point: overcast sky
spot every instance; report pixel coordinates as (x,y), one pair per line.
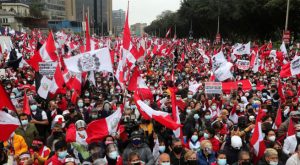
(145,11)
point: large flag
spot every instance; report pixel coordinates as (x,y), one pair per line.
(57,81)
(5,100)
(148,113)
(290,69)
(8,125)
(175,112)
(48,50)
(257,139)
(283,49)
(95,60)
(137,83)
(223,72)
(241,49)
(278,119)
(99,129)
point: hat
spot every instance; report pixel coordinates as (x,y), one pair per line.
(236,142)
(60,144)
(80,124)
(135,134)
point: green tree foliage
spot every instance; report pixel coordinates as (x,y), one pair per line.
(239,19)
(36,8)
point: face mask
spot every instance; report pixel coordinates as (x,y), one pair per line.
(33,107)
(80,104)
(196,116)
(207,117)
(190,96)
(272,138)
(188,111)
(254,88)
(12,97)
(87,94)
(222,161)
(162,149)
(245,163)
(166,163)
(177,150)
(62,154)
(192,162)
(24,122)
(194,138)
(136,142)
(94,116)
(273,163)
(213,107)
(206,136)
(113,155)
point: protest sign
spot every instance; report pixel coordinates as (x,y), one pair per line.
(213,87)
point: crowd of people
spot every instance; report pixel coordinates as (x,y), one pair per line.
(217,129)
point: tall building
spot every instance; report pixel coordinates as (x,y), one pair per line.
(118,20)
(138,29)
(54,9)
(100,14)
(70,6)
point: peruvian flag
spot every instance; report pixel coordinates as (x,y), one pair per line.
(99,129)
(148,113)
(290,69)
(5,100)
(48,50)
(137,83)
(291,129)
(278,119)
(175,112)
(257,139)
(168,32)
(72,135)
(8,125)
(34,61)
(26,107)
(57,81)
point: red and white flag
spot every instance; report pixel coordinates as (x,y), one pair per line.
(72,135)
(290,69)
(257,139)
(8,125)
(57,81)
(99,129)
(175,113)
(148,113)
(48,50)
(137,83)
(87,35)
(168,32)
(5,100)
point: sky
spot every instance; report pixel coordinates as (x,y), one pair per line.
(145,11)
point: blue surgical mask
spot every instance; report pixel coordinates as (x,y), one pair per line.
(113,155)
(33,107)
(166,163)
(206,136)
(62,154)
(273,163)
(12,97)
(162,149)
(196,116)
(24,122)
(222,161)
(194,138)
(190,96)
(80,104)
(188,111)
(207,117)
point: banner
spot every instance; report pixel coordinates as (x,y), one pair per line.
(240,49)
(243,64)
(295,66)
(95,60)
(213,87)
(218,60)
(223,72)
(47,68)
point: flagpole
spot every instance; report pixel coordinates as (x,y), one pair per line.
(287,15)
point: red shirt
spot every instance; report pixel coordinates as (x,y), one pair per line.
(53,161)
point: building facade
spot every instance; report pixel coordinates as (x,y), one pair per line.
(54,9)
(118,20)
(138,29)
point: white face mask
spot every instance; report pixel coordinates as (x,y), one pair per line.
(272,138)
(166,163)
